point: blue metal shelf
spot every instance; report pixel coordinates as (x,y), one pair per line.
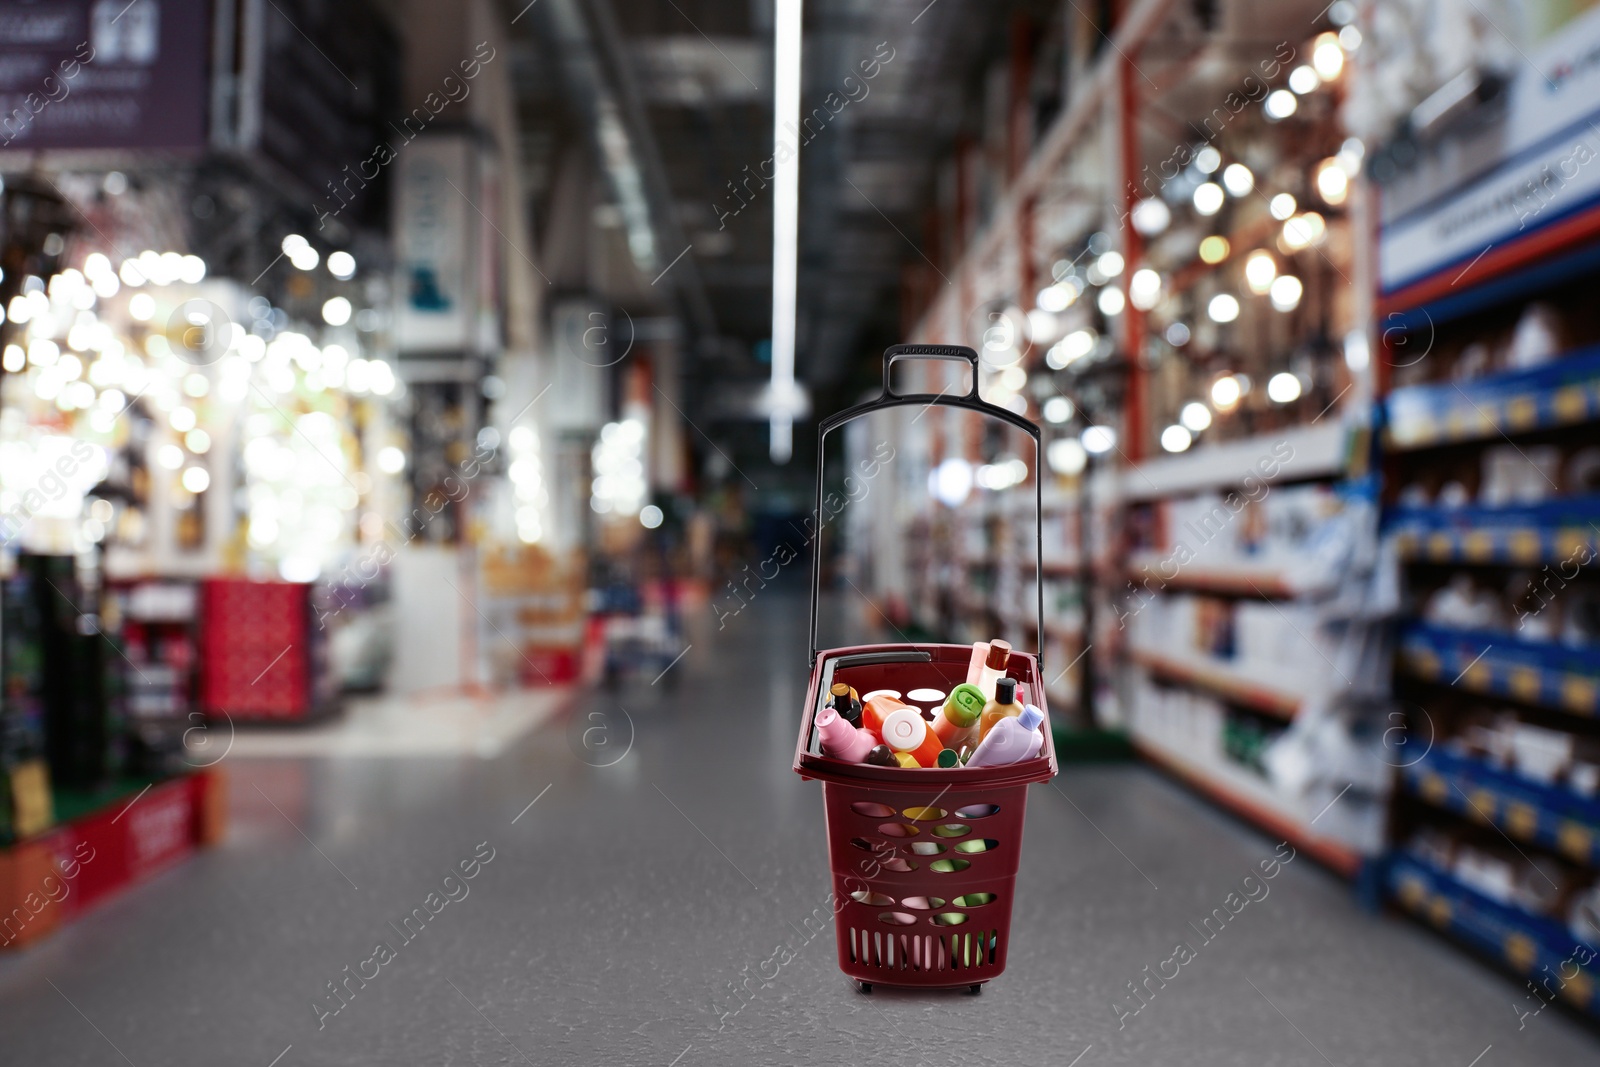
(1556,531)
(1543,815)
(1527,944)
(1564,392)
(1549,675)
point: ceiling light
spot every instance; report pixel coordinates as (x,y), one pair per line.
(650,517)
(1223,308)
(787,32)
(391,460)
(1151,216)
(1259,270)
(1283,388)
(1281,103)
(1214,249)
(1238,179)
(1226,391)
(1208,198)
(1176,439)
(1110,264)
(1057,297)
(1303,80)
(1066,456)
(196,480)
(1111,301)
(1350,38)
(1207,160)
(341,265)
(1195,415)
(1042,326)
(1057,409)
(336,311)
(1281,206)
(1075,345)
(1286,292)
(951,481)
(1144,289)
(1177,335)
(1098,439)
(1332,181)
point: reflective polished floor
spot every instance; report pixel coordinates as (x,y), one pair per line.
(640,860)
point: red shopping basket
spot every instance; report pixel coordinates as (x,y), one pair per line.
(924,861)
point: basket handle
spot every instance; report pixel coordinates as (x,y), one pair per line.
(971,401)
(948,353)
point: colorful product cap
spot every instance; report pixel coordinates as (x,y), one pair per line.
(1030,718)
(964,704)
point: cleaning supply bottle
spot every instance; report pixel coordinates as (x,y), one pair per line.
(993,669)
(906,732)
(1003,705)
(847,702)
(878,707)
(907,760)
(882,756)
(957,721)
(1011,740)
(841,740)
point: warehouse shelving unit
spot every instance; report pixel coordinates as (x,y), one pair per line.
(1058,213)
(1495,522)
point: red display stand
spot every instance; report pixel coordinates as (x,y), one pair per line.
(261,655)
(48,880)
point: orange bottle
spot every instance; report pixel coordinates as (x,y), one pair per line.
(877,708)
(907,733)
(1004,705)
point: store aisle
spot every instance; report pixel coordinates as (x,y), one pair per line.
(615,909)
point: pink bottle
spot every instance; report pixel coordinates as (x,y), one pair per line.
(841,740)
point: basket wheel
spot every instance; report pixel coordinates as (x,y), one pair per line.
(974,989)
(866,987)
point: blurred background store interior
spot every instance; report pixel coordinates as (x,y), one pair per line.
(413,519)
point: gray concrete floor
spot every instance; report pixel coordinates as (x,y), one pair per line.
(620,908)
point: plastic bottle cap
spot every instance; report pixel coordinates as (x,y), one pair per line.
(964,705)
(949,758)
(826,716)
(999,655)
(1005,691)
(840,689)
(1030,718)
(904,729)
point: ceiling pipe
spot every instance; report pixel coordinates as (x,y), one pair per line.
(599,81)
